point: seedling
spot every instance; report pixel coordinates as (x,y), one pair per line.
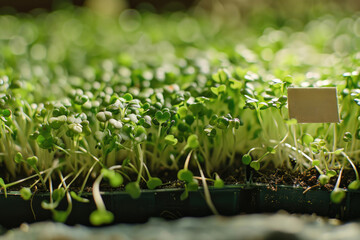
(126,110)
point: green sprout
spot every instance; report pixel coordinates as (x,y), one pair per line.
(197,105)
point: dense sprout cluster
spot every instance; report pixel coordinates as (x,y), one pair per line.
(85,97)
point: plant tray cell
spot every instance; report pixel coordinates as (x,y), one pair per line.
(165,203)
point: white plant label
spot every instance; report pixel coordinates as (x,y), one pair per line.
(313,105)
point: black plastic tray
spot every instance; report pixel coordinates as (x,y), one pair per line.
(166,203)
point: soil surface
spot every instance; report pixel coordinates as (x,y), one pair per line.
(272,176)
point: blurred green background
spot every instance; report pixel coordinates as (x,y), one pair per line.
(243,8)
(310,39)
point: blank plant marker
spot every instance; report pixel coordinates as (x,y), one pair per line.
(313,105)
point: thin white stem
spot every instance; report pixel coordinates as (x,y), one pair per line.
(206,191)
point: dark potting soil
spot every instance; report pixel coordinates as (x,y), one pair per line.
(271,176)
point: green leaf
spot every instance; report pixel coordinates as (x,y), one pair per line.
(222,122)
(307,139)
(100,217)
(32,161)
(271,150)
(115,123)
(213,120)
(128,97)
(103,116)
(354,185)
(45,142)
(171,140)
(189,119)
(246,159)
(331,173)
(34,135)
(347,137)
(54,123)
(185,175)
(57,122)
(255,165)
(3,185)
(192,142)
(235,84)
(18,157)
(210,131)
(219,183)
(126,162)
(99,136)
(193,185)
(183,127)
(339,151)
(182,111)
(263,105)
(58,194)
(25,193)
(78,198)
(153,182)
(337,195)
(145,121)
(219,89)
(221,76)
(197,108)
(86,130)
(81,99)
(292,121)
(60,216)
(288,79)
(115,178)
(184,195)
(162,117)
(315,163)
(76,128)
(49,206)
(215,90)
(133,189)
(140,134)
(323,179)
(6,112)
(357,134)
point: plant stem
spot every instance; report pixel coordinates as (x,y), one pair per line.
(26,179)
(68,196)
(141,160)
(186,164)
(96,190)
(206,191)
(352,164)
(339,178)
(86,178)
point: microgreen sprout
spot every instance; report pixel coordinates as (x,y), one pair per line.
(126,110)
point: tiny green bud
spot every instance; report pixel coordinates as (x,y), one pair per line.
(354,185)
(192,142)
(19,157)
(246,159)
(347,137)
(32,161)
(185,175)
(337,195)
(323,179)
(75,128)
(153,182)
(25,193)
(103,116)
